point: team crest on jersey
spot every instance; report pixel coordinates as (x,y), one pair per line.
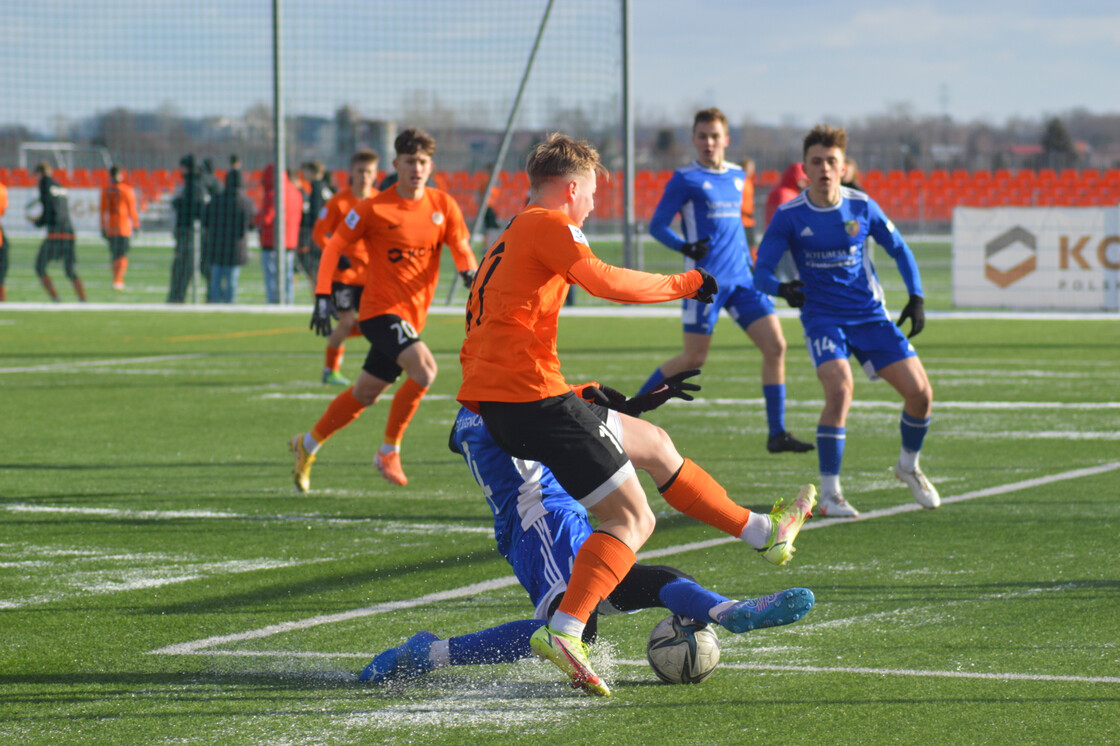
(437,218)
(577,235)
(352,219)
(852,227)
(739,184)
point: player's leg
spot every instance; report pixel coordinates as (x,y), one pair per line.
(766,334)
(269,270)
(908,377)
(691,490)
(69,262)
(648,586)
(836,380)
(41,261)
(398,338)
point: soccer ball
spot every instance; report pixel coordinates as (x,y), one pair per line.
(682,651)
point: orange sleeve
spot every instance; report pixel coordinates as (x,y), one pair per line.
(631,286)
(325,225)
(104,210)
(135,216)
(349,230)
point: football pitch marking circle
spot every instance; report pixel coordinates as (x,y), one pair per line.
(201,647)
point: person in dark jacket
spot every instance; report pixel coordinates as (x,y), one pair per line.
(188,205)
(59,244)
(227,221)
(315,199)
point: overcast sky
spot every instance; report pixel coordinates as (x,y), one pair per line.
(807,60)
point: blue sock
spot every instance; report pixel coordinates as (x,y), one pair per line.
(505,643)
(652,382)
(913,431)
(775,394)
(689,598)
(830,448)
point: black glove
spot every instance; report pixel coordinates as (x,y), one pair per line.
(709,289)
(696,249)
(321,316)
(344,262)
(468,276)
(673,386)
(915,311)
(791,291)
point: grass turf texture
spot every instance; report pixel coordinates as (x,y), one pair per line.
(148,503)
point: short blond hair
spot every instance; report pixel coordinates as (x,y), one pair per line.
(561,156)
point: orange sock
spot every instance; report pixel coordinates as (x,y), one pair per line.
(405,403)
(600,565)
(119,267)
(48,286)
(343,410)
(79,288)
(695,493)
(3,294)
(334,358)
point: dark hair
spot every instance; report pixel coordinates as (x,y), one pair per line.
(826,135)
(114,172)
(704,116)
(364,156)
(414,140)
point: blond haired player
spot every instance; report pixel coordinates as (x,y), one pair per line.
(404,229)
(511,377)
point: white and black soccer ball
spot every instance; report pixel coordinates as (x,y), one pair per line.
(682,651)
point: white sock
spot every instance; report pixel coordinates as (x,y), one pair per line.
(439,655)
(310,444)
(908,460)
(830,484)
(718,609)
(567,624)
(758,529)
(390,448)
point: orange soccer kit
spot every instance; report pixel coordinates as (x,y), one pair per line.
(337,207)
(118,219)
(510,355)
(403,238)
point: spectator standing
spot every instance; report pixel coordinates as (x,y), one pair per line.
(188,205)
(266,222)
(227,222)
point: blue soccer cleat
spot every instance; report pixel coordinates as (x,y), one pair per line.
(403,662)
(783,607)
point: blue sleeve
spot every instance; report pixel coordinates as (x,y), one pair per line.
(667,208)
(887,236)
(770,251)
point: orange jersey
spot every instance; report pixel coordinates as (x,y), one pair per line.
(748,203)
(404,238)
(509,354)
(118,210)
(325,224)
(3,206)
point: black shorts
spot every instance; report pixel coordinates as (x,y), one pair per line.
(346,297)
(388,336)
(118,246)
(569,436)
(53,249)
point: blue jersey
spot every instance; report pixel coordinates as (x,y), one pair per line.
(710,204)
(518,491)
(828,247)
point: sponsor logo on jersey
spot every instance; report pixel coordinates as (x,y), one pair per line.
(577,235)
(437,218)
(352,219)
(852,227)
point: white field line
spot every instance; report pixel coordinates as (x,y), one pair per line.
(199,647)
(907,672)
(98,363)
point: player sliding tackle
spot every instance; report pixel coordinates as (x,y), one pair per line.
(511,377)
(539,528)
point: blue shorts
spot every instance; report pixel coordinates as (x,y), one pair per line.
(542,558)
(745,304)
(875,344)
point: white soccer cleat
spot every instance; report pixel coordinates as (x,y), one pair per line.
(925,494)
(835,506)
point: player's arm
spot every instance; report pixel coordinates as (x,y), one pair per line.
(464,258)
(632,286)
(104,211)
(325,225)
(661,224)
(133,214)
(886,235)
(775,242)
(349,230)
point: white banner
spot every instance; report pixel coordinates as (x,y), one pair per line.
(23,203)
(1036,257)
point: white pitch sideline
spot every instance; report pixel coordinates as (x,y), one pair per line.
(199,647)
